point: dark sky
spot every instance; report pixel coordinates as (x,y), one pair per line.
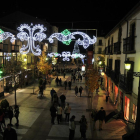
(77,14)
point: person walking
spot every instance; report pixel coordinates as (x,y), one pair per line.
(59,113)
(16,111)
(60,82)
(55,98)
(76,90)
(94,117)
(57,80)
(10,114)
(74,78)
(72,127)
(69,83)
(101,116)
(9,133)
(62,98)
(80,90)
(41,90)
(53,113)
(52,92)
(67,111)
(83,127)
(65,84)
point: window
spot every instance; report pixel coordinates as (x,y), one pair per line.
(99,50)
(126,111)
(134,112)
(100,42)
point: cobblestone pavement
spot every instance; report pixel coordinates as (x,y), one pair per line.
(35,120)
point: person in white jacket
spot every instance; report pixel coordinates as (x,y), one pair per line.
(72,127)
(59,114)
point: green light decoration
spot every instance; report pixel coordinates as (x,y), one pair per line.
(1,32)
(66,32)
(56,54)
(1,73)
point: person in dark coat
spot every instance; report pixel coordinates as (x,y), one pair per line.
(94,117)
(80,90)
(72,127)
(41,90)
(69,83)
(65,84)
(57,80)
(16,111)
(52,92)
(76,91)
(74,78)
(10,114)
(60,82)
(101,116)
(62,98)
(83,127)
(53,113)
(9,133)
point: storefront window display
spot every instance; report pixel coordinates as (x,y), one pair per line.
(126,108)
(134,113)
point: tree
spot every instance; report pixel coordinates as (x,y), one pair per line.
(92,78)
(43,66)
(13,67)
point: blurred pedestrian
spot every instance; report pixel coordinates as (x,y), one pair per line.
(101,116)
(69,83)
(67,111)
(72,127)
(65,84)
(76,90)
(62,98)
(16,111)
(10,114)
(55,98)
(83,127)
(9,133)
(74,78)
(52,92)
(53,113)
(80,90)
(60,82)
(94,117)
(41,90)
(57,80)
(59,113)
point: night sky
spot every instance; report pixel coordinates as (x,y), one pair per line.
(102,15)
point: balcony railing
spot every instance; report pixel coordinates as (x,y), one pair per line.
(128,45)
(115,76)
(3,47)
(15,48)
(117,48)
(126,83)
(108,71)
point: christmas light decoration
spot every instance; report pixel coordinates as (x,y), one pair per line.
(67,36)
(5,35)
(66,55)
(31,36)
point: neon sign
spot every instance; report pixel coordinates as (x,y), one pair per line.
(64,37)
(31,36)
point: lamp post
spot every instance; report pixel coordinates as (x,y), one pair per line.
(137,124)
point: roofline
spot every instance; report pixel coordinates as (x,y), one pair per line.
(128,15)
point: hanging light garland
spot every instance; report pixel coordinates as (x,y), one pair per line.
(66,55)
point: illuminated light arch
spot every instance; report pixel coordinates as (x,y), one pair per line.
(65,33)
(68,36)
(31,36)
(5,35)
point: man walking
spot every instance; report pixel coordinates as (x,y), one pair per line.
(65,84)
(72,127)
(76,91)
(80,90)
(59,113)
(53,113)
(101,116)
(69,83)
(62,98)
(52,92)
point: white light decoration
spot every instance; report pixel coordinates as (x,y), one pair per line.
(7,56)
(29,34)
(85,42)
(5,35)
(66,55)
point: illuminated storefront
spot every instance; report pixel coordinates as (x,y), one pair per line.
(126,108)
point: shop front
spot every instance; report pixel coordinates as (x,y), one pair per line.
(126,108)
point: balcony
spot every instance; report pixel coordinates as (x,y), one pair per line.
(115,77)
(3,47)
(128,45)
(117,48)
(108,71)
(109,50)
(126,83)
(15,48)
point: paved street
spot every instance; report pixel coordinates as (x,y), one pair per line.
(35,120)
